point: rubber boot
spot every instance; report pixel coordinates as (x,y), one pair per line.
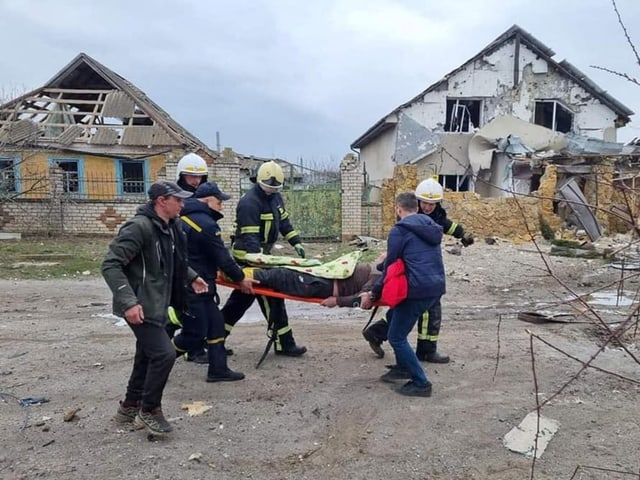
(286,345)
(427,351)
(375,334)
(218,369)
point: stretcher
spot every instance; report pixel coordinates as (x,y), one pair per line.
(268,292)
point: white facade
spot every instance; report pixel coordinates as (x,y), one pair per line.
(492,84)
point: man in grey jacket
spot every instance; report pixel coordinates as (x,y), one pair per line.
(146,269)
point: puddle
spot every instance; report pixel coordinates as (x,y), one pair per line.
(611,299)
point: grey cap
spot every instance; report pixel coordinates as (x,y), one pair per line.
(167,189)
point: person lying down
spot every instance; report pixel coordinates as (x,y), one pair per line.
(344,292)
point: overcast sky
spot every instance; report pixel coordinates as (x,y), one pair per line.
(296,78)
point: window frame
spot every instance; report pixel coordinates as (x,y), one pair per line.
(554,116)
(457,101)
(79,161)
(120,177)
(17,183)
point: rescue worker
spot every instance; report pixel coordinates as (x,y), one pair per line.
(260,217)
(429,194)
(207,253)
(191,172)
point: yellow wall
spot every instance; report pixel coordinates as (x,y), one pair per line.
(99,173)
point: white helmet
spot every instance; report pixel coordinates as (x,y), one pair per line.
(192,164)
(429,191)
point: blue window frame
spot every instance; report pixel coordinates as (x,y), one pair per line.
(9,175)
(72,176)
(132,177)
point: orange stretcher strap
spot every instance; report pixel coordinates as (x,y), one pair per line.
(267,292)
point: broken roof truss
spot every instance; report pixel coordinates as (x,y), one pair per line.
(87,107)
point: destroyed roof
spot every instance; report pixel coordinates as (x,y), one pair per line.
(537,47)
(88,107)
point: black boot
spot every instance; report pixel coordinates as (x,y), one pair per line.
(375,334)
(286,345)
(218,369)
(198,356)
(426,351)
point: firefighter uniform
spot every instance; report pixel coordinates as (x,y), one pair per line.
(260,218)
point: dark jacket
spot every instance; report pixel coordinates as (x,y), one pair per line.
(207,251)
(146,264)
(439,215)
(362,280)
(259,219)
(416,239)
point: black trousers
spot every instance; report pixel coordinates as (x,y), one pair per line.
(238,303)
(152,364)
(429,323)
(294,283)
(204,321)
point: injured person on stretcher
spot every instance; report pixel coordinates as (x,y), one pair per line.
(345,292)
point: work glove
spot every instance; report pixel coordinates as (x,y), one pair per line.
(466,240)
(299,250)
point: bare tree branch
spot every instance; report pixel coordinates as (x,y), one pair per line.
(619,74)
(626,33)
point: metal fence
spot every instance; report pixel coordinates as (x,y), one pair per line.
(313,200)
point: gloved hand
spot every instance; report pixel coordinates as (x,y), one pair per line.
(299,250)
(466,240)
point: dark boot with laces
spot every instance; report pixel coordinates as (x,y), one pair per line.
(154,421)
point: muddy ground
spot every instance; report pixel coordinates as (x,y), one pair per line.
(326,415)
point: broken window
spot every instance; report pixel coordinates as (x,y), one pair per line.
(7,175)
(463,115)
(70,174)
(455,183)
(131,174)
(553,115)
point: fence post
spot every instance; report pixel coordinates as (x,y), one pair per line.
(352,188)
(55,218)
(226,173)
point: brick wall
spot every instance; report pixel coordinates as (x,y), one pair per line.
(503,217)
(60,214)
(352,186)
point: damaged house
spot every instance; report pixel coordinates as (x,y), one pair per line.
(92,125)
(494,124)
(78,154)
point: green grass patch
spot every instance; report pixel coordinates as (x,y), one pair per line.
(49,258)
(36,258)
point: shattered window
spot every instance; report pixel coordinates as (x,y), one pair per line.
(7,175)
(463,115)
(553,115)
(454,183)
(132,174)
(70,174)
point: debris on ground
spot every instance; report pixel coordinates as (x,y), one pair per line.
(522,438)
(196,408)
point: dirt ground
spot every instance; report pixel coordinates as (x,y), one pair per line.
(327,415)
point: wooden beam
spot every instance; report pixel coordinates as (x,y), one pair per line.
(76,90)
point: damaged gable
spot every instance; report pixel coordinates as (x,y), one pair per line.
(87,107)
